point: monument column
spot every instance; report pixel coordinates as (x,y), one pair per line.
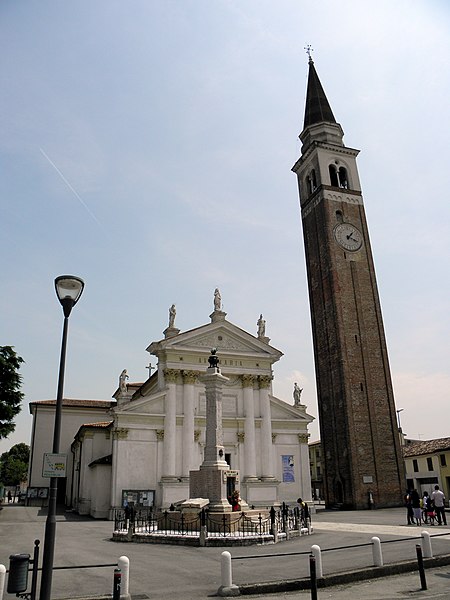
(170,423)
(249,427)
(266,427)
(189,379)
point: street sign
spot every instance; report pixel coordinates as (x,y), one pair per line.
(54,465)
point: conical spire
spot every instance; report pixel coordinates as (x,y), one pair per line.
(317,108)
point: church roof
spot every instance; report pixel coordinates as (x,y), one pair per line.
(76,403)
(317,107)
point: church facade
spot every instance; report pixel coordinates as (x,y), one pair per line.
(155,433)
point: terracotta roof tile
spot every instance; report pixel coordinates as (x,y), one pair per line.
(427,447)
(76,402)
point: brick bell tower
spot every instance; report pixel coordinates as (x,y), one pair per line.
(362,455)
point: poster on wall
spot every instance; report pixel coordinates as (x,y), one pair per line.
(287,464)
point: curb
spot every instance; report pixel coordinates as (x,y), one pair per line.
(290,585)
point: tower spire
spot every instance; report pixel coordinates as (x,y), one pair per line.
(317,107)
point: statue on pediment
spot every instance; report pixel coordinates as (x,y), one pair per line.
(123,381)
(217,300)
(172,315)
(297,395)
(261,326)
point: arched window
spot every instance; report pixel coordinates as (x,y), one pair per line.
(343,181)
(311,181)
(333,176)
(339,216)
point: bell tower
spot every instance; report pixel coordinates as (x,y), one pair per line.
(358,427)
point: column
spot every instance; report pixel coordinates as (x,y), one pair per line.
(189,379)
(249,427)
(170,423)
(266,427)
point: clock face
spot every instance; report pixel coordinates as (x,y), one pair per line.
(348,237)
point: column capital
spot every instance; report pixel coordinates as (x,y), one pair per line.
(264,381)
(120,433)
(248,380)
(171,375)
(159,434)
(240,437)
(303,438)
(190,377)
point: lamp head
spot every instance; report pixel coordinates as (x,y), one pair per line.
(68,289)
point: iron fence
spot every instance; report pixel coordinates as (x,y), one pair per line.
(149,521)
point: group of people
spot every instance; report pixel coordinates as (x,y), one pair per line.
(426,508)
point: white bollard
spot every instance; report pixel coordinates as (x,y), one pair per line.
(124,565)
(227,588)
(426,545)
(2,579)
(376,552)
(317,553)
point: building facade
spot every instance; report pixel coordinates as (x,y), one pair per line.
(427,464)
(154,433)
(358,428)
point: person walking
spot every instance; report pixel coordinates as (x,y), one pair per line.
(439,505)
(409,510)
(415,502)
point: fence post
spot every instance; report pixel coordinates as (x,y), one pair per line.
(423,580)
(426,545)
(376,552)
(227,588)
(124,565)
(313,577)
(2,580)
(317,553)
(116,584)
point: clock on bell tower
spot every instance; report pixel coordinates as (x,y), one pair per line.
(357,416)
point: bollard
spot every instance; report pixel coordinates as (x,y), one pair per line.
(317,553)
(2,580)
(227,588)
(124,565)
(116,584)
(313,577)
(426,545)
(423,580)
(376,552)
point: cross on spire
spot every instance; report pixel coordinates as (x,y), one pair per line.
(309,49)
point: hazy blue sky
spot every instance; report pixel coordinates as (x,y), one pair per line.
(146,147)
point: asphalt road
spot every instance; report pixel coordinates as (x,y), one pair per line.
(165,571)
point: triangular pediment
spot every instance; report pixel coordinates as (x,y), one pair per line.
(227,338)
(282,410)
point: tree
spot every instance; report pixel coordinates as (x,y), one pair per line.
(10,395)
(14,465)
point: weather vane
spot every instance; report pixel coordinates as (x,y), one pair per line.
(308,48)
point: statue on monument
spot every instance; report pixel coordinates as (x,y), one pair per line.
(261,326)
(217,300)
(297,395)
(172,315)
(123,381)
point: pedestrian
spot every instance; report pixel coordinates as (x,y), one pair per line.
(439,505)
(304,512)
(415,503)
(9,496)
(426,506)
(409,510)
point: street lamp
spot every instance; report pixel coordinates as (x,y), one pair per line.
(399,410)
(68,290)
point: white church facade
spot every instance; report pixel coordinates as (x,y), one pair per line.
(154,434)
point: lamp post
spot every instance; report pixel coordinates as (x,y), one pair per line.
(68,290)
(399,410)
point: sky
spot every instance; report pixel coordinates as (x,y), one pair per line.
(146,146)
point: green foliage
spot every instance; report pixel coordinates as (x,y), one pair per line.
(10,395)
(14,465)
